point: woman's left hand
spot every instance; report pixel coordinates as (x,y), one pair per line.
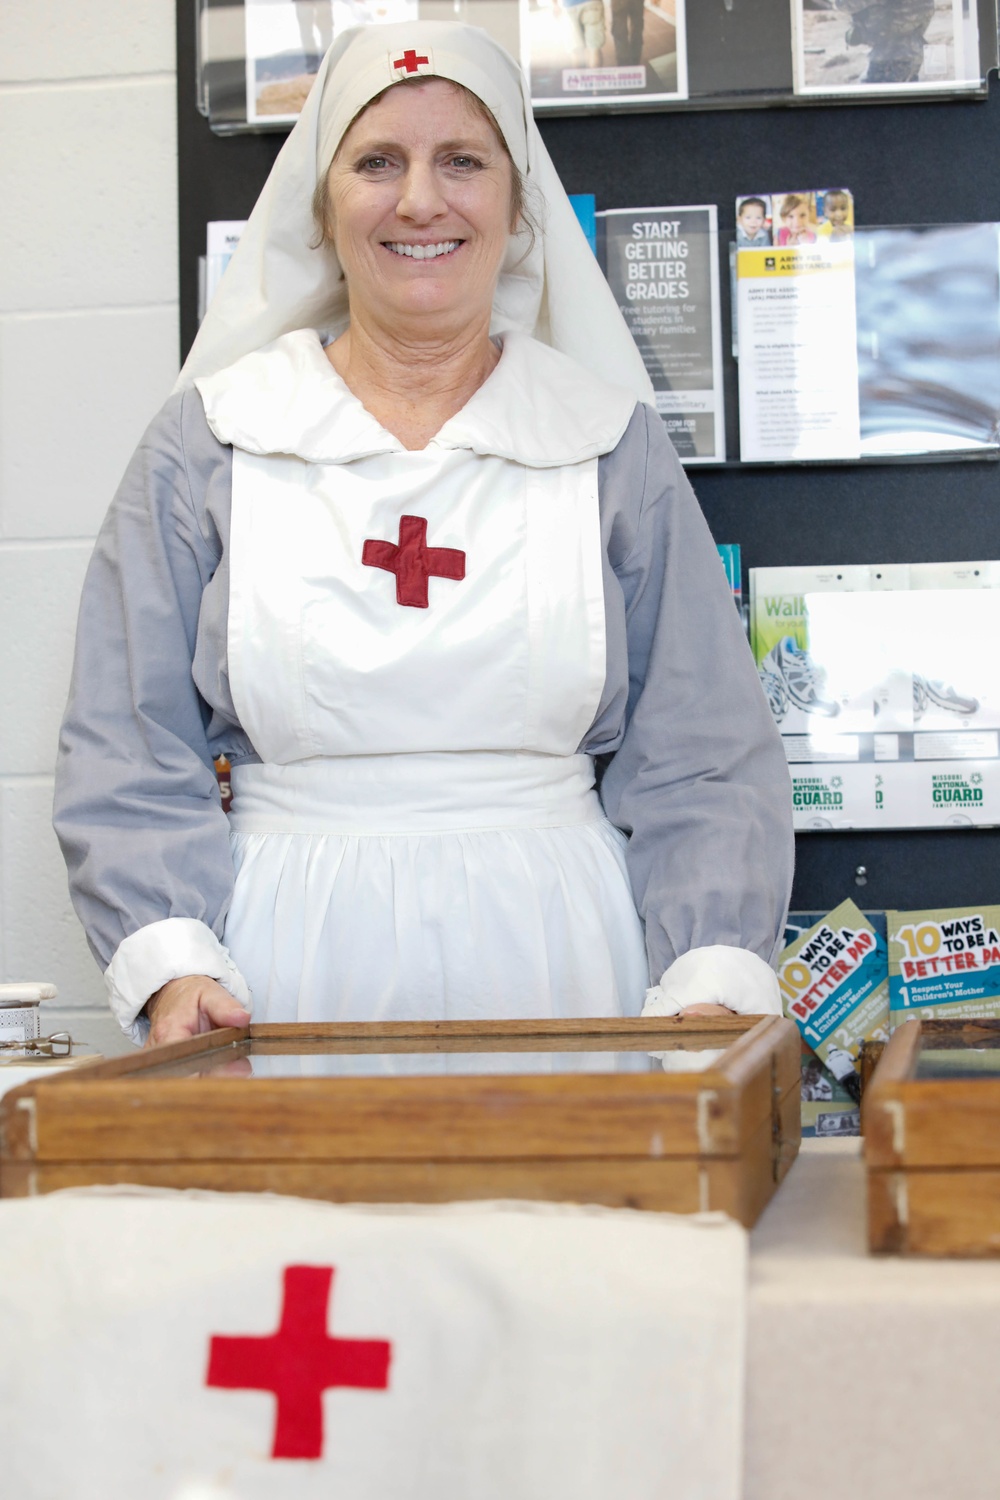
(707,1010)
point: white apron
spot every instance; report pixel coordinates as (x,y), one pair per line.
(416,649)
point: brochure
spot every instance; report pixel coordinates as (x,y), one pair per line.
(885,686)
(944,963)
(795,306)
(222,237)
(584,205)
(834,985)
(729,552)
(663,266)
(865,47)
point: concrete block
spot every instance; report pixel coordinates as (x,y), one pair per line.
(64,39)
(95,379)
(42,937)
(39,598)
(88,177)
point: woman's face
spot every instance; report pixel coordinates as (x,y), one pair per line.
(420,206)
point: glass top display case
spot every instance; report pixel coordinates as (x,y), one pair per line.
(931,1122)
(678,1115)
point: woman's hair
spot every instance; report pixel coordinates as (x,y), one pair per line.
(792,201)
(518,195)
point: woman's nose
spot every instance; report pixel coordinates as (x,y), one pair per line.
(420,199)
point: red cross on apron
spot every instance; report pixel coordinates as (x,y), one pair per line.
(413,562)
(299,1362)
(410,62)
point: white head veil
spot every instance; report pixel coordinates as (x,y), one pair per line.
(276,282)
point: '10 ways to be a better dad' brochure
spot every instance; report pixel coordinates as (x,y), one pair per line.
(944,963)
(834,986)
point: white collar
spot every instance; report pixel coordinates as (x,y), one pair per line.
(537,407)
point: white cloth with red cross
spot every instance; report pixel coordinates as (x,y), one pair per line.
(240,1347)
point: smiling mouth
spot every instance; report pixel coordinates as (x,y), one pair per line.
(422,252)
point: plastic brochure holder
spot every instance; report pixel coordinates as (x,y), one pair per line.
(681,54)
(885,686)
(927,308)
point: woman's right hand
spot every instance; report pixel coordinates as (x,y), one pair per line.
(189,1006)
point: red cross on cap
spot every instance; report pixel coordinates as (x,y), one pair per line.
(409,62)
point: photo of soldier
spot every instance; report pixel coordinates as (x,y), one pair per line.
(851,46)
(894,32)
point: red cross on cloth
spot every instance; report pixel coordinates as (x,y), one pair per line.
(299,1362)
(413,562)
(410,62)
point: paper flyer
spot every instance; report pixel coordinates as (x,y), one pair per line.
(834,986)
(663,266)
(579,52)
(885,685)
(944,963)
(798,357)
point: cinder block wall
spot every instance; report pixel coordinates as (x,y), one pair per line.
(88,351)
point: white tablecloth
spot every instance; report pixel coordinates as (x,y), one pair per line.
(868,1378)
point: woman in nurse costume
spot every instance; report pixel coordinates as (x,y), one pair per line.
(409,545)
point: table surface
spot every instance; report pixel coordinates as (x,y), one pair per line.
(868,1377)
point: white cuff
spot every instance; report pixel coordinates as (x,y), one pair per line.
(719,975)
(160,951)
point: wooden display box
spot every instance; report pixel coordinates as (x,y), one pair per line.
(931,1126)
(428,1112)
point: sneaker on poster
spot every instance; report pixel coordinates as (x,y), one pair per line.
(798,677)
(927,694)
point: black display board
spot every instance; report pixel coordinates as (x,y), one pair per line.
(913,163)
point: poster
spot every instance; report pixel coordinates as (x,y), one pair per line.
(285,44)
(861,47)
(663,266)
(798,356)
(603,53)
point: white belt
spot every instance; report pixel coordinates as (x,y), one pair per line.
(440,792)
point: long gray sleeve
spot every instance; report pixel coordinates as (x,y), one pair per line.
(698,778)
(137,806)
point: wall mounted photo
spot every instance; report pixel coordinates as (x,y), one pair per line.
(862,47)
(603,53)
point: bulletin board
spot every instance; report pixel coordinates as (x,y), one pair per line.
(931,162)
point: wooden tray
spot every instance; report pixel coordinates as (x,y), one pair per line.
(931,1125)
(560,1110)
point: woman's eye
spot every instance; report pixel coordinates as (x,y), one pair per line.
(374,163)
(464,163)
